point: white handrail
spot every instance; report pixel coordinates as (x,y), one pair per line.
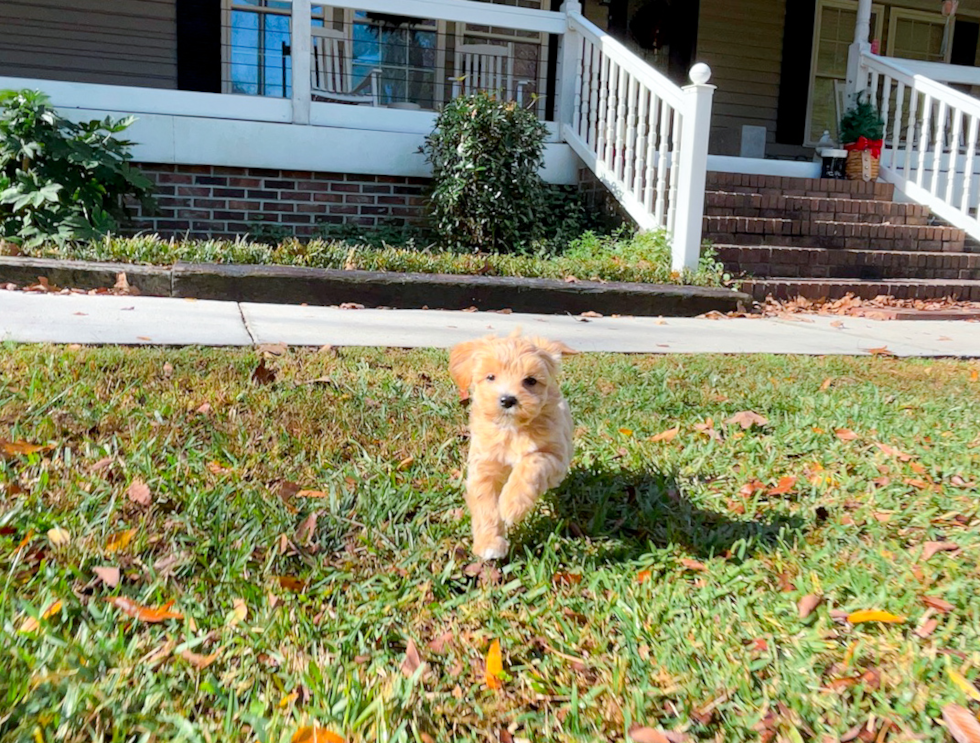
(644,137)
(931,144)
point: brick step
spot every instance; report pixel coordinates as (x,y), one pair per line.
(787,288)
(725,204)
(825,188)
(794,262)
(828,234)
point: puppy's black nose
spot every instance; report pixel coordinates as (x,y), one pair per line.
(508,401)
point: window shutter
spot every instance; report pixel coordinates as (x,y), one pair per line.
(794,76)
(199,45)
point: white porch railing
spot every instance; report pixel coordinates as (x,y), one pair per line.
(644,137)
(932,133)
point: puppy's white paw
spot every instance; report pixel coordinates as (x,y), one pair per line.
(495,550)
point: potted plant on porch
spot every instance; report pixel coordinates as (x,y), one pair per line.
(862,133)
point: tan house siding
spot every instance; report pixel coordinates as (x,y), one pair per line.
(119,42)
(742,41)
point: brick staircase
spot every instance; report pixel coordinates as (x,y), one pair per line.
(821,238)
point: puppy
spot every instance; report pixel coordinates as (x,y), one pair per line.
(520,431)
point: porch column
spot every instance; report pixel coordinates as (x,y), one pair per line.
(569,72)
(301,42)
(861,45)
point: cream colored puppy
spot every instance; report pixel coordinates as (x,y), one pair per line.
(520,431)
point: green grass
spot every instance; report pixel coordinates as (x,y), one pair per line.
(708,652)
(643,257)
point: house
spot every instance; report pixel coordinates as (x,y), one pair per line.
(298,113)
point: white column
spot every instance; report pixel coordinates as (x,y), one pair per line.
(693,169)
(301,41)
(861,45)
(569,63)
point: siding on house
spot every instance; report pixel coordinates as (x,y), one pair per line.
(117,42)
(742,41)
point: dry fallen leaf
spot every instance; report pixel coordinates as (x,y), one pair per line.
(785,485)
(873,615)
(626,431)
(199,661)
(412,661)
(566,579)
(881,351)
(406,463)
(927,628)
(263,374)
(940,605)
(693,564)
(238,613)
(647,735)
(30,624)
(144,613)
(439,644)
(292,584)
(891,451)
(495,666)
(931,548)
(315,735)
(963,726)
(746,419)
(108,575)
(59,537)
(669,435)
(845,434)
(963,684)
(306,530)
(139,493)
(12,448)
(826,384)
(643,576)
(120,540)
(807,604)
(310,494)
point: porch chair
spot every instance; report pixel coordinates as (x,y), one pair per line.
(488,67)
(333,71)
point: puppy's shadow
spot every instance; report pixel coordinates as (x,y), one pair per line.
(624,513)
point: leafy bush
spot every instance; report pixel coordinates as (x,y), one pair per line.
(485,156)
(861,120)
(60,180)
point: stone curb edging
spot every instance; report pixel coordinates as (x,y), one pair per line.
(316,286)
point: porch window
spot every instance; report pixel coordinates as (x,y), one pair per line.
(256,59)
(833,35)
(406,50)
(913,34)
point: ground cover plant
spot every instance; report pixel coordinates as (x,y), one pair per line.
(617,257)
(198,546)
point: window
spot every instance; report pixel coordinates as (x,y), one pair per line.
(913,34)
(256,58)
(407,52)
(832,37)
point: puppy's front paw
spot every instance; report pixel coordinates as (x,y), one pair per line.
(513,510)
(492,549)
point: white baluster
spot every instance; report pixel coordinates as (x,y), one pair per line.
(954,153)
(651,169)
(595,70)
(676,146)
(610,153)
(897,127)
(924,138)
(873,87)
(581,89)
(971,150)
(666,114)
(622,89)
(885,102)
(937,148)
(629,153)
(910,134)
(642,131)
(604,67)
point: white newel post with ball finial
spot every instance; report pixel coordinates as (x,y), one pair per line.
(692,169)
(861,45)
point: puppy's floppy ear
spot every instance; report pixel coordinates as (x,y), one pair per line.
(555,349)
(461,363)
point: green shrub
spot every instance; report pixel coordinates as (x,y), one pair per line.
(861,120)
(487,194)
(62,181)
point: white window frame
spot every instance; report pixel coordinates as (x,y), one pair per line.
(937,19)
(809,140)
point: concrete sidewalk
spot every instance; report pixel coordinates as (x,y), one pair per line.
(56,318)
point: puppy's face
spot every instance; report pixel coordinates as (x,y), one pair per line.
(512,379)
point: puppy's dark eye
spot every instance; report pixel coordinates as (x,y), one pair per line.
(491,377)
(530,381)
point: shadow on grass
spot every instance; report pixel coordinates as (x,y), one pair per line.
(624,514)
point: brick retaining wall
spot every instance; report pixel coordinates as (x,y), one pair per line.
(213,201)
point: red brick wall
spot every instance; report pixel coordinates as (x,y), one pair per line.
(213,201)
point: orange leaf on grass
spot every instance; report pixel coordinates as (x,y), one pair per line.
(927,628)
(412,661)
(144,613)
(891,451)
(669,435)
(30,624)
(199,661)
(120,540)
(963,726)
(626,431)
(931,548)
(693,564)
(940,605)
(139,493)
(108,575)
(643,576)
(291,584)
(566,579)
(315,735)
(647,735)
(873,615)
(807,604)
(845,434)
(495,666)
(785,485)
(746,419)
(12,448)
(751,488)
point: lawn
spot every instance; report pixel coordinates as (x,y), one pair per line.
(617,257)
(307,531)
